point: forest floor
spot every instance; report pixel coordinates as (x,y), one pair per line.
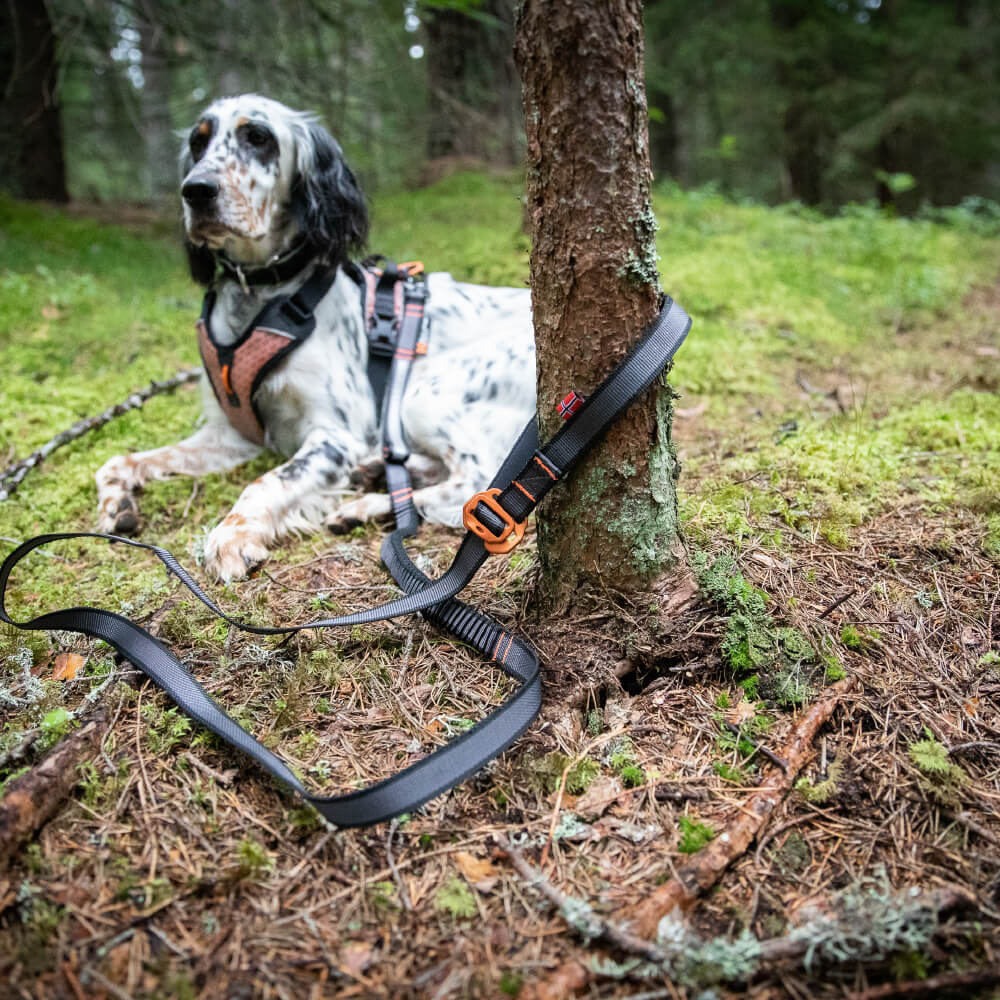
(813,745)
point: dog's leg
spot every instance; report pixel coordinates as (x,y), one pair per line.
(293,497)
(438,504)
(212,448)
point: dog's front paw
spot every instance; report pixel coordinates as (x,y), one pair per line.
(234,548)
(117,511)
(118,516)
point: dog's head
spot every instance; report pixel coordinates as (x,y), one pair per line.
(256,175)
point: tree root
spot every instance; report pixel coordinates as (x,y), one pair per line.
(32,799)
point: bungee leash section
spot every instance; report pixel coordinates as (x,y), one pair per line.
(495,521)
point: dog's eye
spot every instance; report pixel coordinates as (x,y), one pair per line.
(198,142)
(257,136)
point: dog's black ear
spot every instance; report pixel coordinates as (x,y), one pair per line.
(201,263)
(326,199)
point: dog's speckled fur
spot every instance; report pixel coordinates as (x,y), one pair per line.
(281,176)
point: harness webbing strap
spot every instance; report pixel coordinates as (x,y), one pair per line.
(236,370)
(464,755)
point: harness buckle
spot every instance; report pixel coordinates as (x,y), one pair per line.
(496,544)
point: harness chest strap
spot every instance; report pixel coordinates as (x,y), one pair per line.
(236,370)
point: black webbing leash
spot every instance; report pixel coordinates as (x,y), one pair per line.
(495,519)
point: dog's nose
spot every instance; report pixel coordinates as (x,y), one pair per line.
(200,190)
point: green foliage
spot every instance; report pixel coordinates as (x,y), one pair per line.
(931,757)
(166,729)
(694,835)
(510,982)
(821,792)
(456,899)
(547,772)
(632,776)
(730,772)
(55,725)
(253,860)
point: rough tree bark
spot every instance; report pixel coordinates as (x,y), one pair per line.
(32,163)
(595,287)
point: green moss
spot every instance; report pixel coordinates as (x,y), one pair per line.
(456,899)
(547,772)
(991,538)
(252,859)
(693,835)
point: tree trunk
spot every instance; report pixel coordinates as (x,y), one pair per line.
(32,164)
(799,74)
(595,288)
(161,151)
(474,99)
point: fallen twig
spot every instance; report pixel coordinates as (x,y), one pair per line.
(580,915)
(704,868)
(932,987)
(758,747)
(32,799)
(11,477)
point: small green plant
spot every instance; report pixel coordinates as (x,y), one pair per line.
(55,725)
(940,776)
(622,754)
(253,861)
(547,772)
(730,772)
(851,638)
(595,721)
(632,776)
(383,896)
(834,669)
(166,729)
(722,700)
(694,835)
(510,982)
(456,899)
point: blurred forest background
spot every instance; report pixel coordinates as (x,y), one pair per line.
(819,101)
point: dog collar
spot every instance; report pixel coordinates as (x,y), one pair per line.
(279,269)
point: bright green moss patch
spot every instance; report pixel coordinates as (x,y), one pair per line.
(694,835)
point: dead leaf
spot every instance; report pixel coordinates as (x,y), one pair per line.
(604,790)
(971,707)
(479,872)
(988,352)
(67,666)
(50,311)
(741,713)
(355,957)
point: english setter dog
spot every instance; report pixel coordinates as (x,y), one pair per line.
(264,185)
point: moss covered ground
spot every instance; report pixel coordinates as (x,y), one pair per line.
(838,423)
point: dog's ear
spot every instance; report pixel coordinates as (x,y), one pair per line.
(327,202)
(201,263)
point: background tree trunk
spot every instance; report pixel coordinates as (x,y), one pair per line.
(472,82)
(32,162)
(161,145)
(595,287)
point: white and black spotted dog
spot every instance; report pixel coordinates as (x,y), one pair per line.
(260,183)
